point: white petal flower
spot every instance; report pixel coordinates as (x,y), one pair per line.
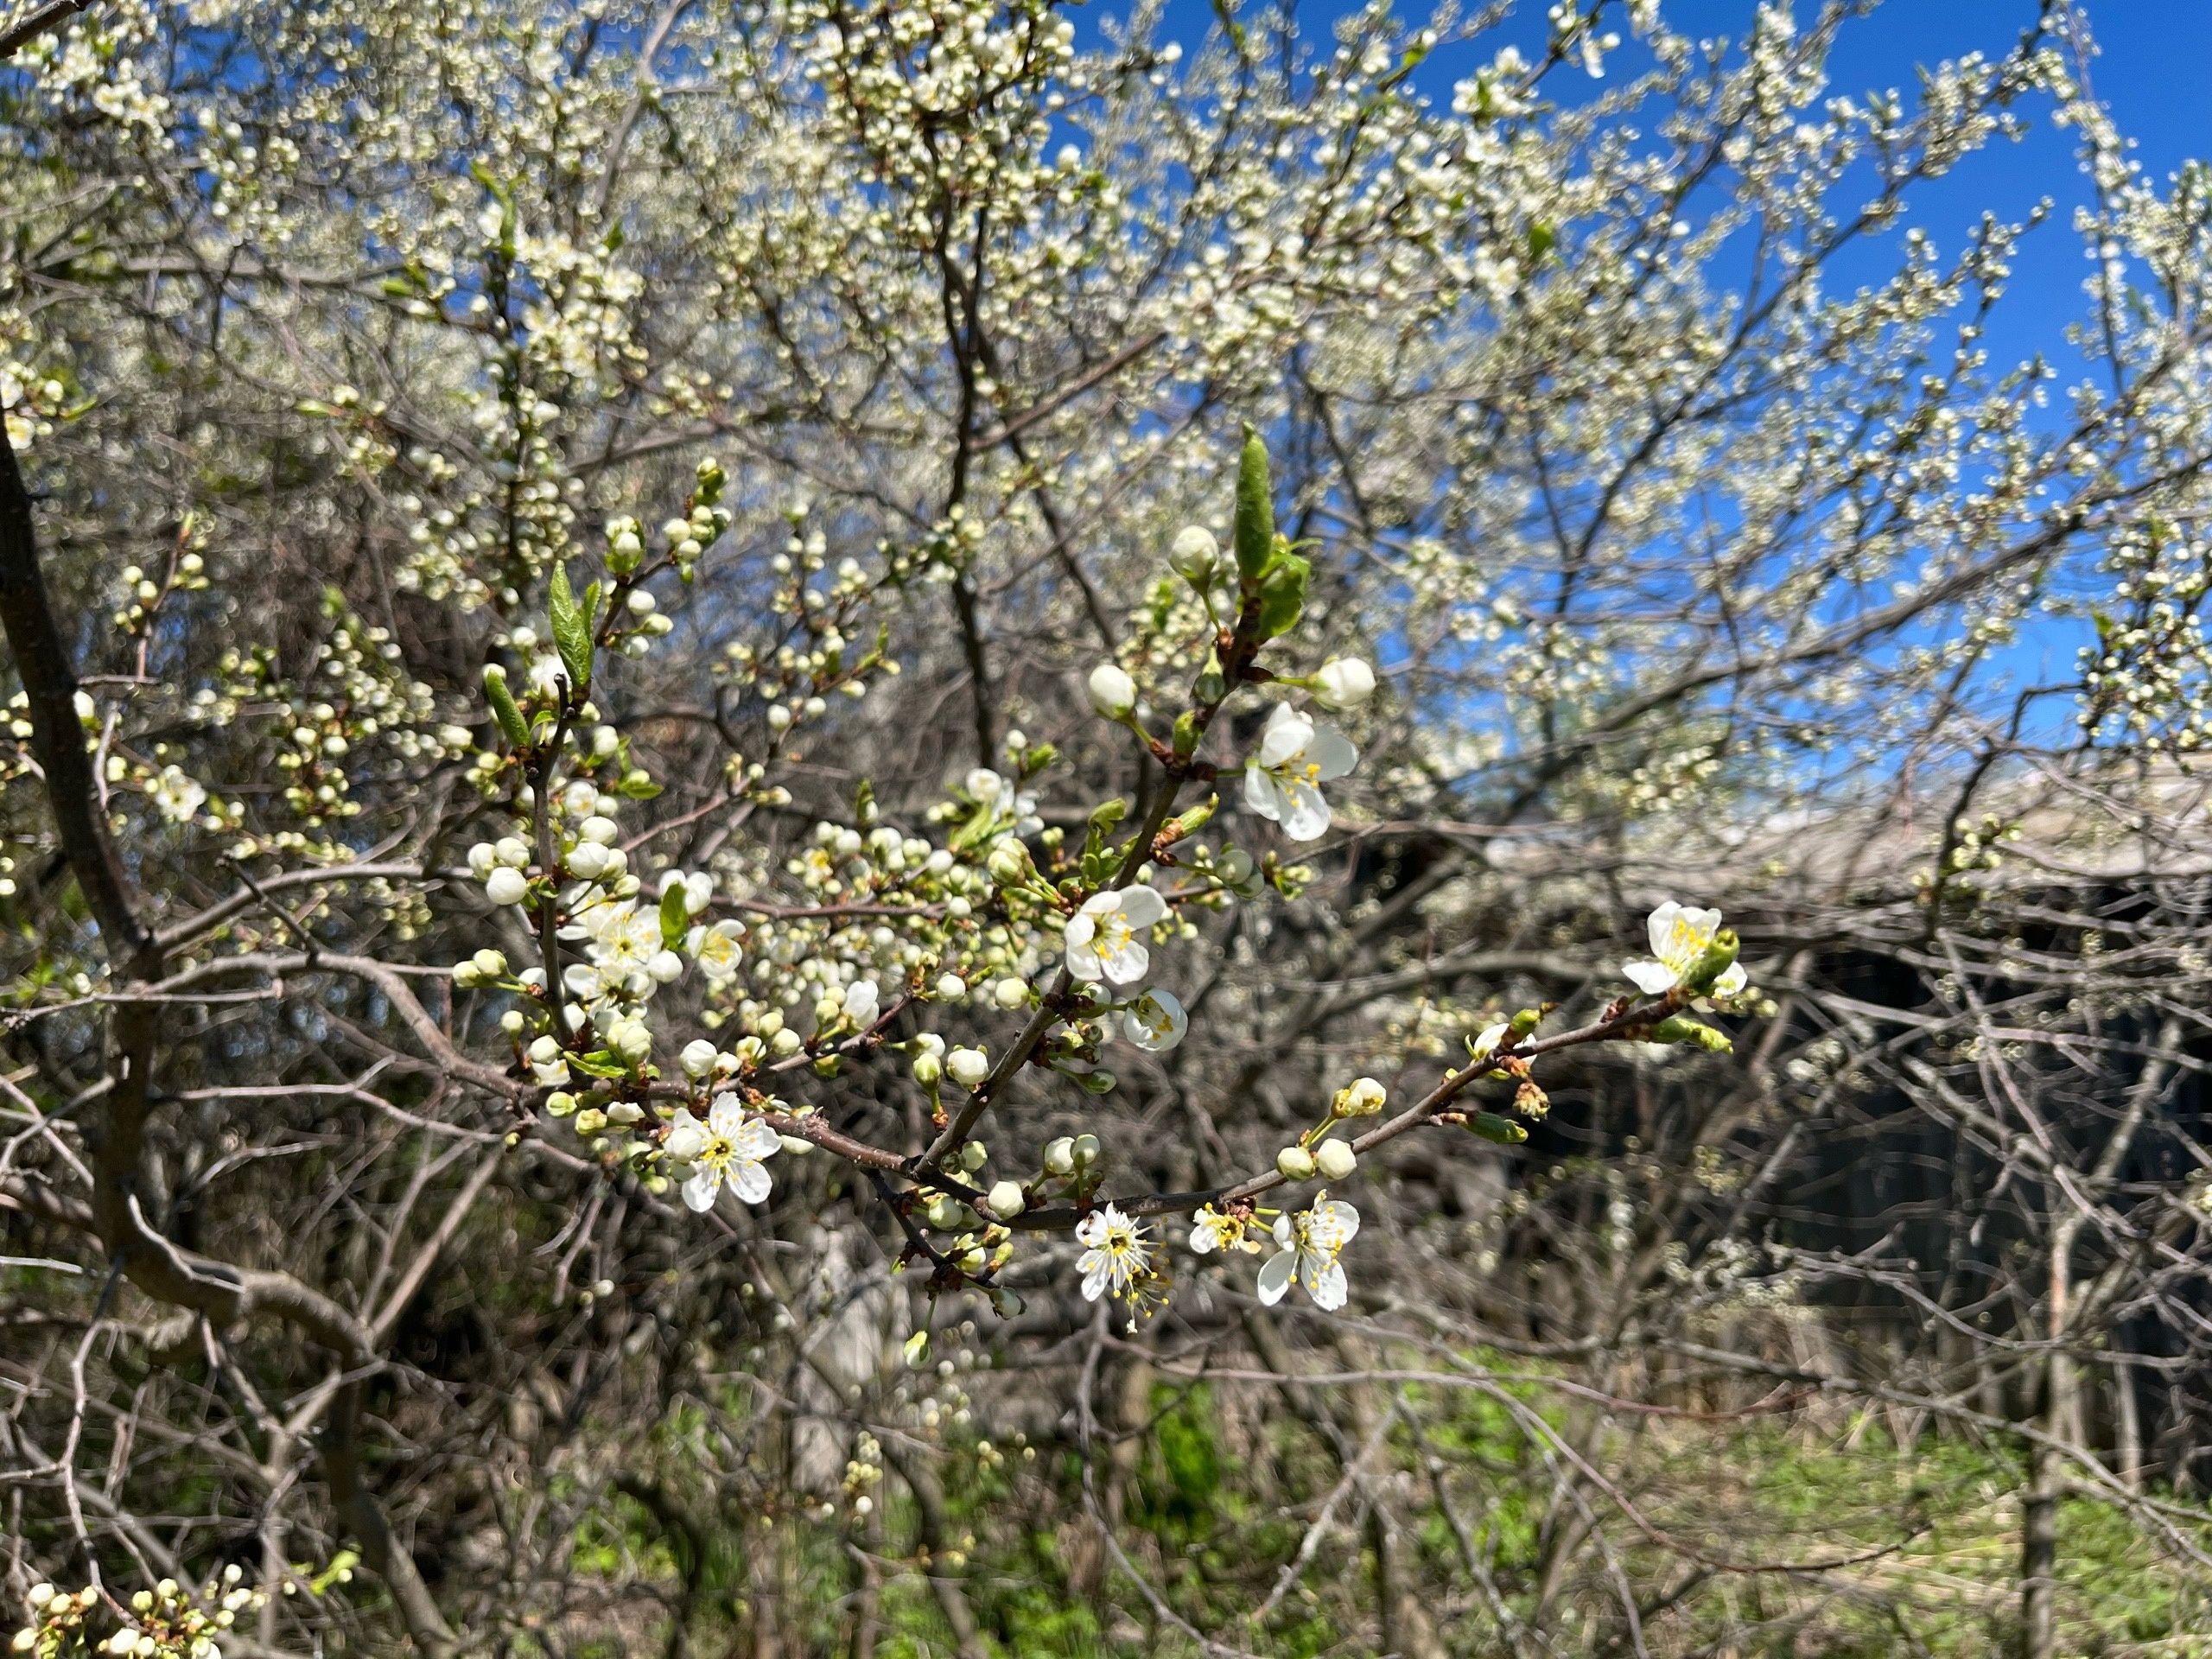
(176,795)
(1214,1229)
(1102,938)
(1486,1041)
(735,1149)
(1679,935)
(718,950)
(1116,1256)
(1310,1241)
(1282,780)
(1155,1021)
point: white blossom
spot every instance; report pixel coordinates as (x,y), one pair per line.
(1282,779)
(735,1149)
(1101,939)
(1155,1021)
(1309,1241)
(1679,938)
(1115,1254)
(177,795)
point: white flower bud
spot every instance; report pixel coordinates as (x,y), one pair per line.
(951,988)
(1193,554)
(698,1058)
(511,1022)
(1011,992)
(597,829)
(968,1066)
(625,1112)
(1294,1164)
(490,964)
(665,966)
(512,851)
(686,1140)
(1344,684)
(1113,693)
(631,1042)
(1005,1200)
(588,861)
(1059,1156)
(544,1051)
(786,1042)
(779,718)
(1335,1159)
(928,1068)
(507,886)
(1085,1151)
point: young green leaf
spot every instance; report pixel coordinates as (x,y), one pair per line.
(1256,509)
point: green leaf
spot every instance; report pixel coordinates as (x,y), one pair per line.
(598,1063)
(1282,594)
(1256,509)
(571,631)
(675,918)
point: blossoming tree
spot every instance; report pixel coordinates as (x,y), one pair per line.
(766,680)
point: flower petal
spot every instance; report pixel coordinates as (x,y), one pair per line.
(1142,905)
(756,1141)
(1328,1287)
(1331,752)
(1660,930)
(1260,790)
(1287,734)
(749,1181)
(1305,814)
(1125,967)
(726,1117)
(1347,1221)
(1094,1279)
(699,1192)
(1275,1277)
(1652,978)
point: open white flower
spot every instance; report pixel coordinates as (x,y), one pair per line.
(177,795)
(863,1001)
(1679,935)
(1214,1229)
(1155,1021)
(734,1149)
(1116,1256)
(1486,1042)
(1310,1241)
(1283,780)
(1102,938)
(718,950)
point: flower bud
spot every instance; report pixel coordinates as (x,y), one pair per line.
(1344,684)
(490,964)
(544,1051)
(1363,1097)
(951,987)
(625,1112)
(974,1156)
(560,1103)
(698,1058)
(630,1041)
(1335,1159)
(1294,1164)
(588,861)
(928,1068)
(590,1122)
(598,828)
(507,886)
(1009,862)
(1113,693)
(512,851)
(1194,555)
(1011,992)
(1085,1151)
(786,1041)
(1059,1156)
(968,1066)
(1005,1200)
(686,1140)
